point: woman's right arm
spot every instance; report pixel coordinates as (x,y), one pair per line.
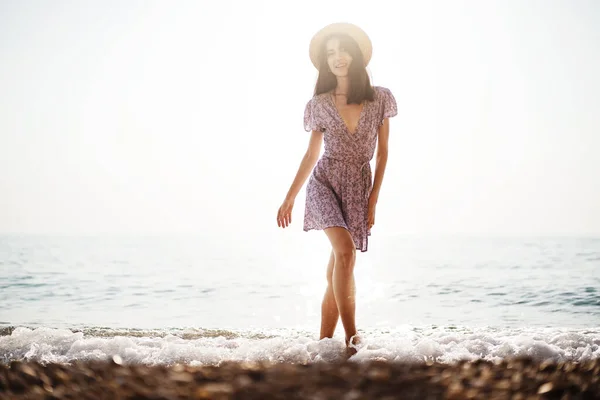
(284,215)
(308,163)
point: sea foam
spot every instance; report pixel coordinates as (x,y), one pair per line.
(212,347)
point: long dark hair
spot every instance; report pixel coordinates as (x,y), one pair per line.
(360,83)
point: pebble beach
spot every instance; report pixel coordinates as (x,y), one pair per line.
(520,378)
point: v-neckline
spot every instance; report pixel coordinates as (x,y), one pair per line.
(339,115)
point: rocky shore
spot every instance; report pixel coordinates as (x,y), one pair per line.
(510,379)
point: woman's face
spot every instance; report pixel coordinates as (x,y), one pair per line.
(338,59)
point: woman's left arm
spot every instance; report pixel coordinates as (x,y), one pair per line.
(380,163)
(381,157)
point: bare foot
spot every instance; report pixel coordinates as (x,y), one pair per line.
(353,345)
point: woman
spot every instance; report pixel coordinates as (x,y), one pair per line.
(350,116)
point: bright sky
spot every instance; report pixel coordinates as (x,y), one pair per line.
(150,117)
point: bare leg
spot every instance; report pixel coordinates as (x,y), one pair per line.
(329,308)
(343,277)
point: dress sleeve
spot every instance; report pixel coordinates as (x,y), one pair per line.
(388,108)
(312,122)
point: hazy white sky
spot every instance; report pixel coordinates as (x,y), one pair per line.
(186,116)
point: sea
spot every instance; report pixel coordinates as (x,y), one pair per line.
(207,299)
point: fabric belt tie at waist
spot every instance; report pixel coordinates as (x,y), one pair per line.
(365,172)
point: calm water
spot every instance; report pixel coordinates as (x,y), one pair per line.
(250,297)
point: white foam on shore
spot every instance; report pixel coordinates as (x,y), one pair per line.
(199,347)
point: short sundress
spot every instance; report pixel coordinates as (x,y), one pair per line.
(337,193)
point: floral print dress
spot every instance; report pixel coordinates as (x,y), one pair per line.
(337,193)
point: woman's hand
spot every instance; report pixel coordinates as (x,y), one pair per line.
(371,211)
(284,215)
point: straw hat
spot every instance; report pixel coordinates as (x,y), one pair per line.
(359,36)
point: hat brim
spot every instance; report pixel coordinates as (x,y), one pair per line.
(359,36)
